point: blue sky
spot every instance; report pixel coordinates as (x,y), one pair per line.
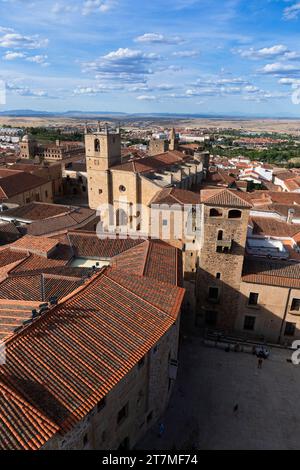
(183,56)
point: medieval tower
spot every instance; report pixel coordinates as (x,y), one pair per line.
(224,223)
(103,150)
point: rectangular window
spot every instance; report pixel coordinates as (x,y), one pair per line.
(253,298)
(295,305)
(249,323)
(213,293)
(165,222)
(123,413)
(290,329)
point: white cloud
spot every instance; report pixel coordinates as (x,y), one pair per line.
(9,55)
(187,54)
(265,52)
(126,65)
(279,68)
(157,38)
(292,12)
(146,98)
(37,59)
(289,81)
(25,91)
(97,6)
(14,40)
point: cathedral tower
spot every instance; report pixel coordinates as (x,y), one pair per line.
(103,151)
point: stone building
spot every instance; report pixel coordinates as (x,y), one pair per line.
(132,184)
(56,152)
(223,233)
(20,187)
(95,368)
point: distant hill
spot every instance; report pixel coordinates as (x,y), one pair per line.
(113,114)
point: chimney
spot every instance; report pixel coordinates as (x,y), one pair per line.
(290,217)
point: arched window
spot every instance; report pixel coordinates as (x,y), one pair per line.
(97,145)
(220,235)
(121,218)
(234,214)
(215,213)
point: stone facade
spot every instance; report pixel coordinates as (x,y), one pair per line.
(131,407)
(221,259)
(158,146)
(273,314)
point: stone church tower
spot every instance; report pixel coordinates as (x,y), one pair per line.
(103,150)
(174,141)
(225,215)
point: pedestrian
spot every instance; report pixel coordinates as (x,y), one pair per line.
(161,429)
(260,363)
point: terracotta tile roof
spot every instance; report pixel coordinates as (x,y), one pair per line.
(154,259)
(284,175)
(61,223)
(39,287)
(12,315)
(36,428)
(270,226)
(269,197)
(293,184)
(175,196)
(273,273)
(37,245)
(225,198)
(70,358)
(20,182)
(37,211)
(8,257)
(149,164)
(88,245)
(50,218)
(219,177)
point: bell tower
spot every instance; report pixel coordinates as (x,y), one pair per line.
(103,151)
(103,147)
